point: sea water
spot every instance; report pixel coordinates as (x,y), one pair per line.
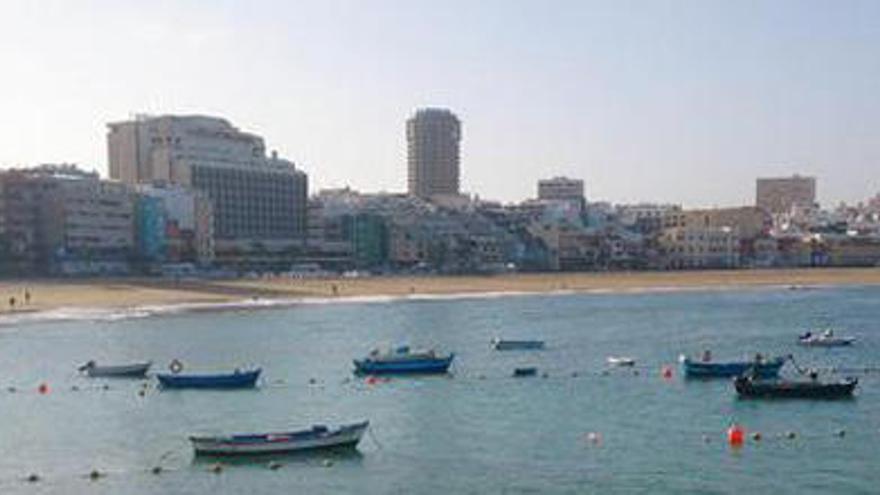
(577,427)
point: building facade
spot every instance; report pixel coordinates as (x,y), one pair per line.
(562,189)
(259,202)
(778,195)
(64,221)
(433,137)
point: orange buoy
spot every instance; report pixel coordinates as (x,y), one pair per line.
(735,435)
(372,380)
(666,372)
(43,389)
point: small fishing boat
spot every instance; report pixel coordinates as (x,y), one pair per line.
(706,368)
(315,438)
(133,370)
(824,339)
(500,344)
(787,389)
(620,361)
(523,372)
(403,360)
(236,379)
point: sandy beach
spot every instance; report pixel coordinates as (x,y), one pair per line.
(134,292)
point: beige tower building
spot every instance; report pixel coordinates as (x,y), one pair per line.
(779,194)
(433,136)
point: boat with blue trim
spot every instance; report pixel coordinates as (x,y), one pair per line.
(317,437)
(235,380)
(825,339)
(500,344)
(403,360)
(748,387)
(706,368)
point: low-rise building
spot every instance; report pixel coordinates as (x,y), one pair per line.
(700,247)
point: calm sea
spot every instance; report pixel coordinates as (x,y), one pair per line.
(477,431)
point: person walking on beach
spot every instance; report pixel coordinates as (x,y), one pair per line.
(12,302)
(27,297)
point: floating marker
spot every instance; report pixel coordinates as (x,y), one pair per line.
(156,470)
(841,433)
(735,435)
(756,436)
(790,435)
(33,478)
(666,372)
(95,475)
(43,388)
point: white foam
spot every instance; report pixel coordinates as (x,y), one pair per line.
(144,311)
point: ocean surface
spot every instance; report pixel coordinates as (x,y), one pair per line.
(578,427)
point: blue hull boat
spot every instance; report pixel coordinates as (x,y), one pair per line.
(699,369)
(423,366)
(238,379)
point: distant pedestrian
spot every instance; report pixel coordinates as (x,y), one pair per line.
(335,290)
(12,302)
(27,296)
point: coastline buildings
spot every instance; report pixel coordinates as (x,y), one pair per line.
(563,189)
(433,136)
(779,195)
(58,219)
(258,201)
(174,225)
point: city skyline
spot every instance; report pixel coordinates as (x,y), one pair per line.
(622,97)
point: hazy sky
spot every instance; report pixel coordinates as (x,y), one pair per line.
(648,100)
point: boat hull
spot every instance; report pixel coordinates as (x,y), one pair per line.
(403,367)
(136,370)
(697,369)
(247,379)
(517,345)
(827,342)
(772,389)
(280,443)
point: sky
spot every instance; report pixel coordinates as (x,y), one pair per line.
(663,101)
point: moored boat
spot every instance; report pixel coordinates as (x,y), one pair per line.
(788,389)
(403,360)
(620,361)
(706,368)
(525,371)
(824,339)
(500,344)
(315,438)
(236,379)
(133,370)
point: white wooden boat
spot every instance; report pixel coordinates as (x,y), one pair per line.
(620,361)
(315,438)
(825,339)
(133,370)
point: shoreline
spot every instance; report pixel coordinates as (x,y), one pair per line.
(134,297)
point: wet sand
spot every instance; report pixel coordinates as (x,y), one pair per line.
(136,292)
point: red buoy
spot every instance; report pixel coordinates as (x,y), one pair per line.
(736,435)
(43,388)
(666,372)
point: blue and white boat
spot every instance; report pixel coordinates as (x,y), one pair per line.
(825,339)
(236,379)
(500,344)
(315,438)
(763,368)
(403,360)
